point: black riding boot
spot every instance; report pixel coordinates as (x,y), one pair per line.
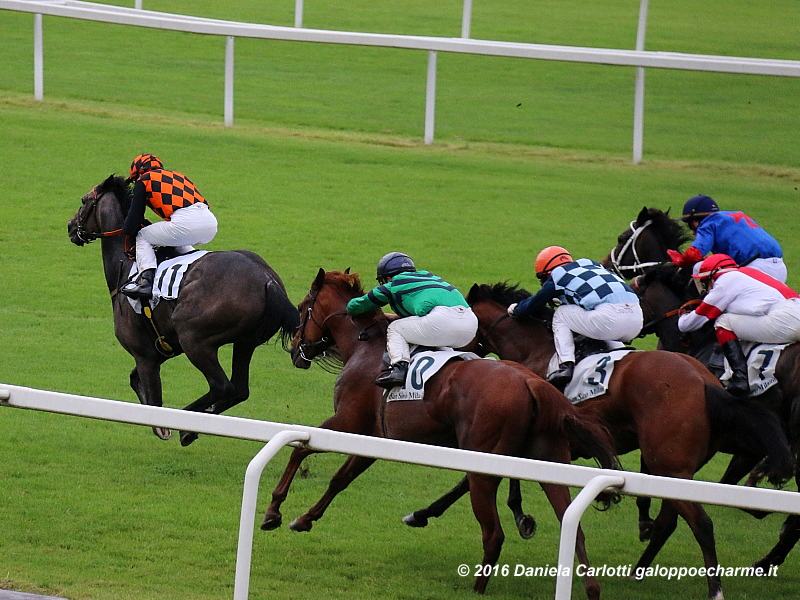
(563,375)
(143,288)
(394,376)
(738,384)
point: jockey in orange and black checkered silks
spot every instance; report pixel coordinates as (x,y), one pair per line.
(187,219)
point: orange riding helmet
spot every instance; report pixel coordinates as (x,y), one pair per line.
(550,258)
(144,163)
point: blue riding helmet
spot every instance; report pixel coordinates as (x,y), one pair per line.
(698,207)
(394,263)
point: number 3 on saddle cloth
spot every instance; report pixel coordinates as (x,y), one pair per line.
(168,278)
(592,374)
(424,365)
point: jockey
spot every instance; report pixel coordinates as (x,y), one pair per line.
(744,303)
(731,233)
(594,302)
(433,313)
(187,218)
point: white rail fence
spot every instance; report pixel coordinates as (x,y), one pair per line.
(277,435)
(638,58)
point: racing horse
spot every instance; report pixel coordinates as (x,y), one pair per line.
(664,291)
(667,405)
(481,405)
(226,297)
(645,243)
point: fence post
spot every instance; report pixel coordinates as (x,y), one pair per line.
(638,100)
(244,554)
(298,13)
(430,98)
(38,58)
(466,19)
(228,110)
(569,529)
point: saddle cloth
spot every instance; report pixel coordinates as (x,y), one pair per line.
(592,374)
(424,364)
(168,278)
(761,362)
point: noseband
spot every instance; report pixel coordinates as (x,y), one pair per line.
(85,211)
(310,350)
(630,245)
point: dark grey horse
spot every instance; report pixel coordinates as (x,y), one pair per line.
(226,297)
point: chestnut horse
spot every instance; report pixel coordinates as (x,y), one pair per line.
(482,405)
(227,297)
(667,405)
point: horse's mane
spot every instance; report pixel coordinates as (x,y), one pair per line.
(503,293)
(668,229)
(120,188)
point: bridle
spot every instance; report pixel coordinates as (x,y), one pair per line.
(310,350)
(630,245)
(90,201)
(481,344)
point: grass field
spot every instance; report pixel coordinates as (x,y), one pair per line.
(325,168)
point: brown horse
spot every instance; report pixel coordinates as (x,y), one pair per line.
(665,404)
(228,297)
(481,405)
(663,291)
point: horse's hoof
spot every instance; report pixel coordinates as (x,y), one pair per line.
(187,437)
(645,531)
(526,525)
(764,564)
(271,521)
(300,524)
(413,521)
(162,433)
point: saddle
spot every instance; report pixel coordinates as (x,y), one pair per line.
(425,362)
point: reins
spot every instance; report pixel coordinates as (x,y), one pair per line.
(630,244)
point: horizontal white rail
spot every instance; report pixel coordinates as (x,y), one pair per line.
(631,58)
(636,484)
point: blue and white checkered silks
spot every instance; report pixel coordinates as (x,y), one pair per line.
(587,284)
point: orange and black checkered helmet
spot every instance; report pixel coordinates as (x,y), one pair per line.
(144,163)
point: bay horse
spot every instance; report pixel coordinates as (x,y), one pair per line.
(645,243)
(664,291)
(667,405)
(482,405)
(226,297)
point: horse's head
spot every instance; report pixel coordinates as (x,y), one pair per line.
(328,297)
(102,212)
(644,244)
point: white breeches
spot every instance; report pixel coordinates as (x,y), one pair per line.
(195,224)
(781,325)
(453,327)
(608,322)
(774,267)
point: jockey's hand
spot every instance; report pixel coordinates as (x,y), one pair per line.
(676,257)
(130,246)
(687,307)
(511,309)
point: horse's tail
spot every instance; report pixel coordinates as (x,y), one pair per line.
(750,428)
(587,435)
(280,315)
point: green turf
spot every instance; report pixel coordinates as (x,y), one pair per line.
(325,168)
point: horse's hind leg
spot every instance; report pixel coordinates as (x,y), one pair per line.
(702,528)
(788,538)
(206,359)
(353,467)
(483,494)
(419,518)
(526,524)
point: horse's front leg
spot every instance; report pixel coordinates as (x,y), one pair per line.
(273,518)
(353,467)
(146,383)
(220,388)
